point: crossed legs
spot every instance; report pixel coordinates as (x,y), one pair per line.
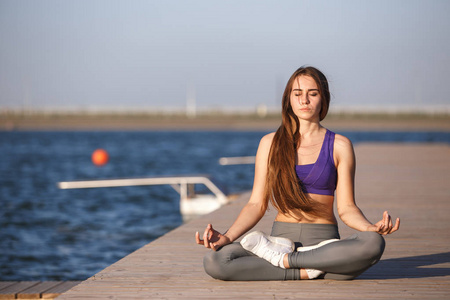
(341,260)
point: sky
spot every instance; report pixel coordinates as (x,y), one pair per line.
(222,55)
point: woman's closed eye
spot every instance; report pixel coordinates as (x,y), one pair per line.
(312,94)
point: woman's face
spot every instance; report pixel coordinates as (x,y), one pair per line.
(305,98)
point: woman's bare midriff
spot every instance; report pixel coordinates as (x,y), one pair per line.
(301,217)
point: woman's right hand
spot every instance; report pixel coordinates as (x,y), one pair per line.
(212,238)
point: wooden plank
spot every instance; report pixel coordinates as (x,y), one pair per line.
(408,180)
(5,284)
(10,291)
(35,291)
(56,290)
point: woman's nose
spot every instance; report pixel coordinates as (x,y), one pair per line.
(304,99)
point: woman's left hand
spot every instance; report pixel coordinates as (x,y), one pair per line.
(385,226)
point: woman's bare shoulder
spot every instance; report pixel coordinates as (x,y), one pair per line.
(268,138)
(266,142)
(342,141)
(343,147)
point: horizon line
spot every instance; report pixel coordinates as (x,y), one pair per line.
(260,110)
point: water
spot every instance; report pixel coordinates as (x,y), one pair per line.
(52,234)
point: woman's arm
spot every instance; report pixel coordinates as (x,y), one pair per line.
(252,212)
(348,211)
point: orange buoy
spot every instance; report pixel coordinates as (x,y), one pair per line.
(100,157)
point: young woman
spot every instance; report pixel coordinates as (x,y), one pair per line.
(299,168)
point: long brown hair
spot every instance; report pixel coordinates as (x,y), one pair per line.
(283,187)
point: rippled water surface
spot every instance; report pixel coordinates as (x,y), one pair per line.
(52,234)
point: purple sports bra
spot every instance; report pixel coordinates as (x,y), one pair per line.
(320,177)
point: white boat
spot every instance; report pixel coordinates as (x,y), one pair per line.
(191,204)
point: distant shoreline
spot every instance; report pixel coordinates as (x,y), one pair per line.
(218,121)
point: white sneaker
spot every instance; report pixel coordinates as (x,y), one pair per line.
(286,243)
(313,273)
(268,247)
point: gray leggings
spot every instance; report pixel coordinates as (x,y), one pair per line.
(342,260)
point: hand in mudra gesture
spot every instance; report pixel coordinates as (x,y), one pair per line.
(212,238)
(385,225)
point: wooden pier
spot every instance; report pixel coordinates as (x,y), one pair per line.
(34,289)
(411,181)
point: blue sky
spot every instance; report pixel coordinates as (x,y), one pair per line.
(229,54)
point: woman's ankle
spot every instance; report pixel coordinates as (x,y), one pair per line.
(286,261)
(303,274)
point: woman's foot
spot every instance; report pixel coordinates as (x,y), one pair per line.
(273,249)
